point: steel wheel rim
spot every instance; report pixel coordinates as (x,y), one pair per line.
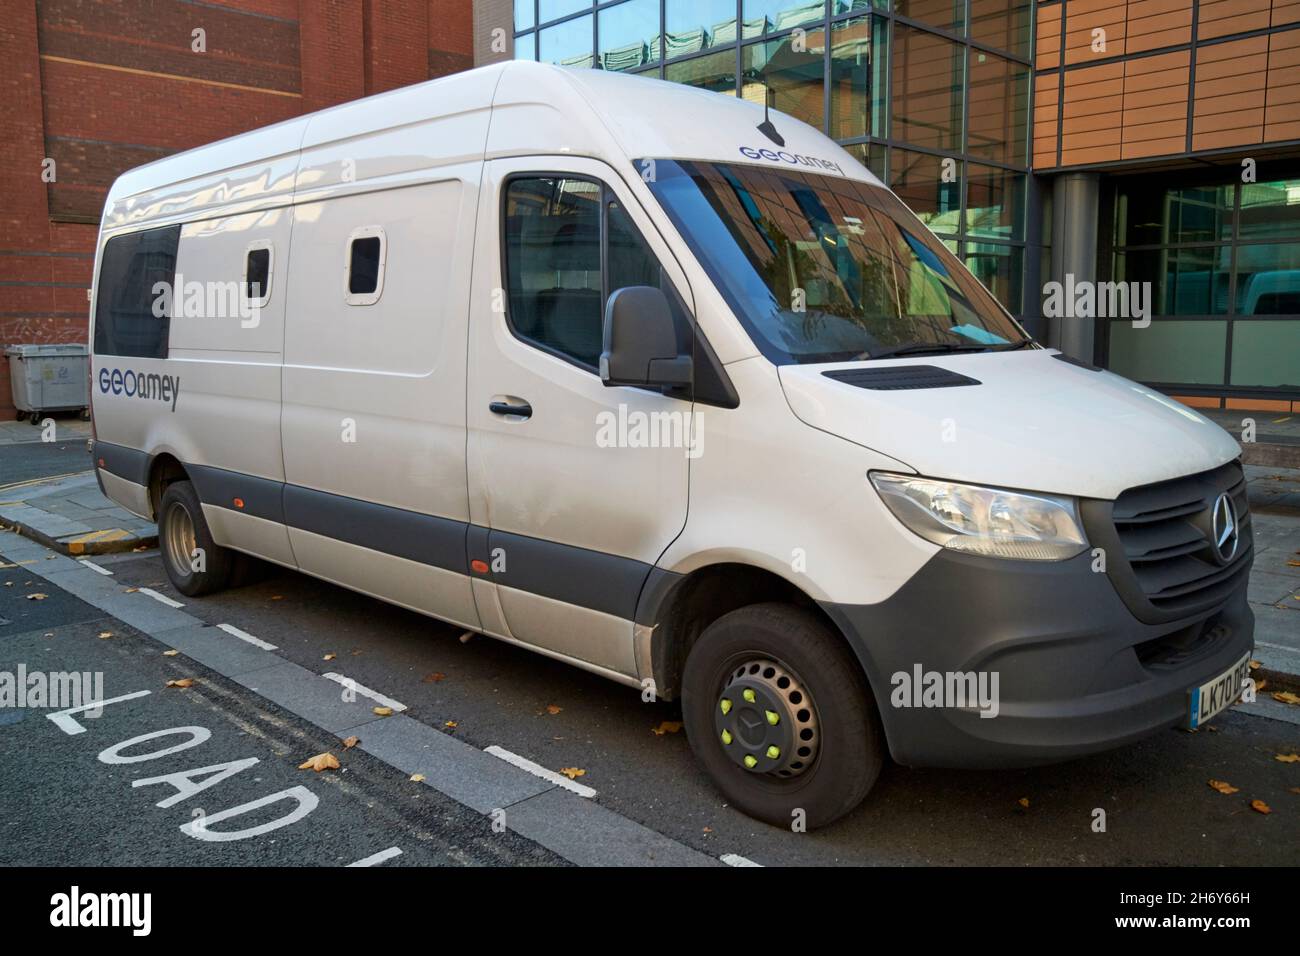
(765,719)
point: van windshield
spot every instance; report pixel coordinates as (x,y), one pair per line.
(826,269)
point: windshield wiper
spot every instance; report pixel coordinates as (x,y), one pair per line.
(939,348)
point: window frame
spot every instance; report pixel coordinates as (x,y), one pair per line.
(264,299)
(606,193)
(364,298)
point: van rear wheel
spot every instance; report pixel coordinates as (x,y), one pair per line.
(195,564)
(777,710)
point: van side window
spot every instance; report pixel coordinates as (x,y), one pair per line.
(133,302)
(552,237)
(364,277)
(257,273)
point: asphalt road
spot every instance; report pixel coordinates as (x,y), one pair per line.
(1159,807)
(66,800)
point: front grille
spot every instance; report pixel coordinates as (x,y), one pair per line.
(1160,549)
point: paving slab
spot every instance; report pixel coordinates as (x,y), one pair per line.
(72,516)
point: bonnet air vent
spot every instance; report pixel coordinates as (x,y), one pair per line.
(895,377)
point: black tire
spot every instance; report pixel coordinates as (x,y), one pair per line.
(182,529)
(842,722)
(35,418)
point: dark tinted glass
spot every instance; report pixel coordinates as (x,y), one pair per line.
(259,267)
(552,229)
(129,293)
(363,275)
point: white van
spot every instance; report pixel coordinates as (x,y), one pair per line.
(631,375)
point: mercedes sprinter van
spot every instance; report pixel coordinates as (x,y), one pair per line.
(641,378)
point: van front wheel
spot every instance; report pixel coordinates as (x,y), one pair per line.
(195,563)
(777,710)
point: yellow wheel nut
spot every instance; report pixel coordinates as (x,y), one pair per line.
(726,736)
(773,717)
(774,751)
(751,761)
(726,706)
(748,695)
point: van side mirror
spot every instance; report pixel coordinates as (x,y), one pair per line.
(640,341)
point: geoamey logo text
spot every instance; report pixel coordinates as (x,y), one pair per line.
(133,384)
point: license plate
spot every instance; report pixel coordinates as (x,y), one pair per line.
(1215,695)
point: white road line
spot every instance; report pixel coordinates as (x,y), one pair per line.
(245,636)
(383,856)
(1278,647)
(735,859)
(523,763)
(94,567)
(364,691)
(162,598)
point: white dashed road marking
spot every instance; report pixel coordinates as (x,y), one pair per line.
(162,598)
(94,567)
(245,636)
(537,770)
(735,859)
(364,691)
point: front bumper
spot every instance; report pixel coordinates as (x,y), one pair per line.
(1077,672)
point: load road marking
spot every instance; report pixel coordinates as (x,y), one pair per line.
(161,598)
(375,859)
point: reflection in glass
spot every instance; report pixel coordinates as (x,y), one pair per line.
(713,71)
(851,76)
(1270,210)
(772,16)
(927,87)
(548,10)
(1004,24)
(919,180)
(995,202)
(691,26)
(999,267)
(629,34)
(997,112)
(1183,281)
(1268,281)
(524,15)
(790,81)
(946,14)
(1147,214)
(568,43)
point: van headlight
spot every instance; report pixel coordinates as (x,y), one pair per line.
(988,521)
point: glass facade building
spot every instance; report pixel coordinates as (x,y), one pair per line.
(1033,150)
(932,96)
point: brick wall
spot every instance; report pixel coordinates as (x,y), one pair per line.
(100,86)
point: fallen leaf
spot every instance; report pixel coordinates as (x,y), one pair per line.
(708,830)
(434,677)
(417,778)
(383,711)
(667,727)
(1024,802)
(131,590)
(1293,564)
(182,683)
(329,657)
(1286,697)
(1295,789)
(351,742)
(276,597)
(38,596)
(105,635)
(573,773)
(172,653)
(1212,729)
(1223,786)
(452,724)
(1259,685)
(325,761)
(1287,758)
(1259,806)
(1255,665)
(553,709)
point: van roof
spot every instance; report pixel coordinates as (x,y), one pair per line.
(506,109)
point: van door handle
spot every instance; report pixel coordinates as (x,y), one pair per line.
(505,408)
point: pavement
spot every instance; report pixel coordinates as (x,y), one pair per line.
(1271,439)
